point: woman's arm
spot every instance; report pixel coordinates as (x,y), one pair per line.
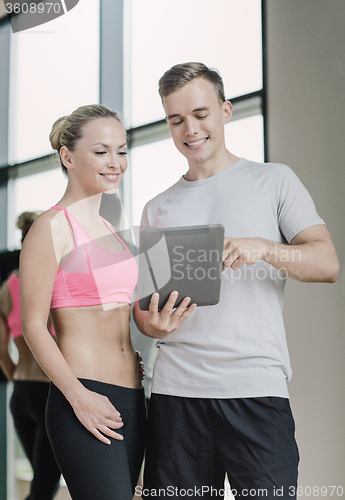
(6,362)
(38,267)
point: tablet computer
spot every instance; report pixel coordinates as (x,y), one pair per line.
(187,259)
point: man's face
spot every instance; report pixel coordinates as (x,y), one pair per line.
(196,119)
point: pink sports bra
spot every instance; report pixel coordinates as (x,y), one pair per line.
(13,319)
(93,275)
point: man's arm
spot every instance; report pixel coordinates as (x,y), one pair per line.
(311,256)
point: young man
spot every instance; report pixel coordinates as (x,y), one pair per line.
(219,398)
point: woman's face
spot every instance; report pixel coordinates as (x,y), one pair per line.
(99,160)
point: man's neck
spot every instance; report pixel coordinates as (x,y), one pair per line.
(198,171)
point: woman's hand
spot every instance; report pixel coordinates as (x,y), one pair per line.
(157,323)
(98,415)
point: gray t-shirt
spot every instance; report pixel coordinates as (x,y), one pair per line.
(237,348)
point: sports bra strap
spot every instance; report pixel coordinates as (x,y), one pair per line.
(80,236)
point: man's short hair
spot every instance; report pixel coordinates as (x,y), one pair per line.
(181,74)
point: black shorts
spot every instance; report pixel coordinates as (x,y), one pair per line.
(192,442)
(94,470)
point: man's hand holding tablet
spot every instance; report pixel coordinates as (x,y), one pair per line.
(158,323)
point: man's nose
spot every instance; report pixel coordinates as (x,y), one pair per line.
(191,127)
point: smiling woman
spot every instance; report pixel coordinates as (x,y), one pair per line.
(84,275)
(101,153)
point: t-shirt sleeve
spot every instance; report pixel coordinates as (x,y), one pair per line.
(296,209)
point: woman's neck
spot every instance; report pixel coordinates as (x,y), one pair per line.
(83,206)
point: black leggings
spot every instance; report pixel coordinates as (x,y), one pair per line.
(27,406)
(94,470)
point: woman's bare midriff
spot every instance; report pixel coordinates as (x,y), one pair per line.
(96,343)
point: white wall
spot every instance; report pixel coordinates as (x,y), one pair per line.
(306,130)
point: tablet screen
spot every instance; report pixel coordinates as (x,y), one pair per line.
(187,259)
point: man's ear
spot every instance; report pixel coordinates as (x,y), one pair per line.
(66,157)
(227,108)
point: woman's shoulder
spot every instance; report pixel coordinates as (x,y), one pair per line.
(48,221)
(50,232)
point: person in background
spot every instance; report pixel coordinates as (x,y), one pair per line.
(30,385)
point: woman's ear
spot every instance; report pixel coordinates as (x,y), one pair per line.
(66,157)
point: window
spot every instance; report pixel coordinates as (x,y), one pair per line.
(245,138)
(33,186)
(154,167)
(225,34)
(54,69)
